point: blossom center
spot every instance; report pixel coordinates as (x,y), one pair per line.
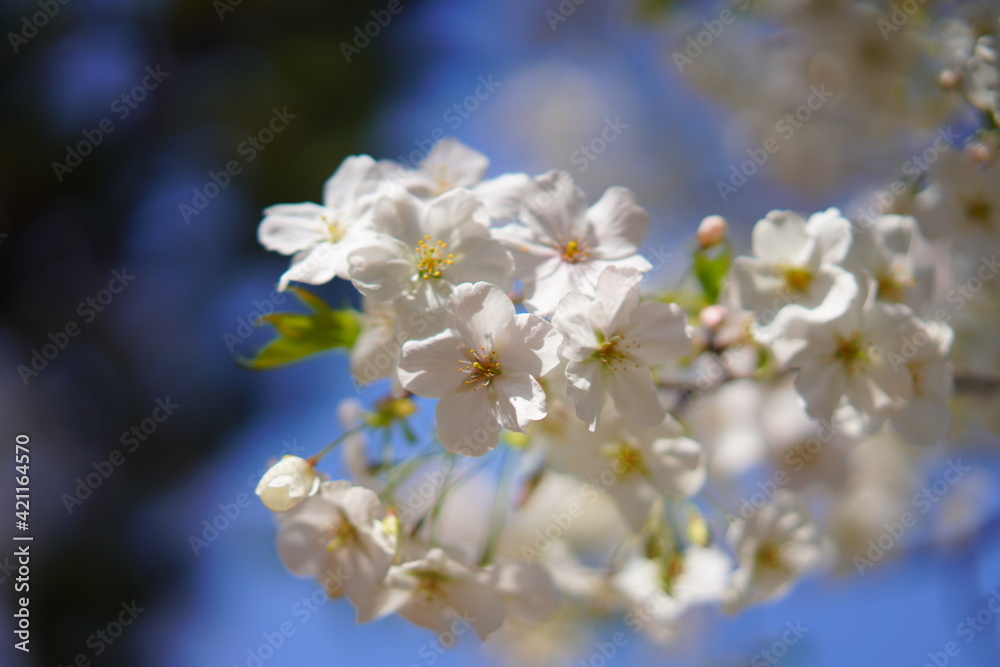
(891,284)
(851,351)
(334,229)
(978,211)
(614,352)
(442,183)
(431,258)
(339,535)
(625,459)
(575,252)
(769,557)
(797,279)
(481,369)
(919,374)
(430,585)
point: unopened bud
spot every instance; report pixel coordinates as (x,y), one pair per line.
(980,152)
(713,316)
(287,483)
(950,79)
(712,231)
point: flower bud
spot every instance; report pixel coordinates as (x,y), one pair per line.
(712,231)
(287,483)
(713,316)
(950,79)
(980,152)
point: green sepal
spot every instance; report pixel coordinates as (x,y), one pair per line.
(710,268)
(302,335)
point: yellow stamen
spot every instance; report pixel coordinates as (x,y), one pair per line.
(431,258)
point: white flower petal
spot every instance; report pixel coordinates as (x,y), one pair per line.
(431,367)
(455,216)
(521,400)
(572,321)
(677,466)
(586,390)
(782,238)
(289,228)
(383,269)
(557,208)
(661,331)
(316,266)
(530,345)
(833,236)
(620,225)
(482,260)
(480,312)
(616,298)
(504,195)
(353,186)
(467,422)
(635,396)
(455,165)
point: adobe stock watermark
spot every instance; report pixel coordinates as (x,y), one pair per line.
(913,168)
(104,637)
(30,25)
(223,7)
(636,618)
(303,610)
(121,107)
(363,37)
(130,440)
(587,153)
(898,17)
(968,630)
(421,497)
(230,512)
(796,458)
(957,298)
(88,310)
(778,649)
(247,150)
(785,128)
(698,43)
(454,116)
(245,326)
(922,502)
(435,647)
(564,10)
(715,373)
(573,508)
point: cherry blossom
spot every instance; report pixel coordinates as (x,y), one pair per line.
(561,246)
(610,341)
(423,249)
(484,369)
(321,236)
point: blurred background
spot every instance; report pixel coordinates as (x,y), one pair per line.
(142,139)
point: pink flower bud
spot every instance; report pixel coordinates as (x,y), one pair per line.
(712,316)
(712,231)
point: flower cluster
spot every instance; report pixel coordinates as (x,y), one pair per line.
(434,251)
(601,445)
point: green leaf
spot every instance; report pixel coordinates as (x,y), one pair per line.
(710,268)
(301,335)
